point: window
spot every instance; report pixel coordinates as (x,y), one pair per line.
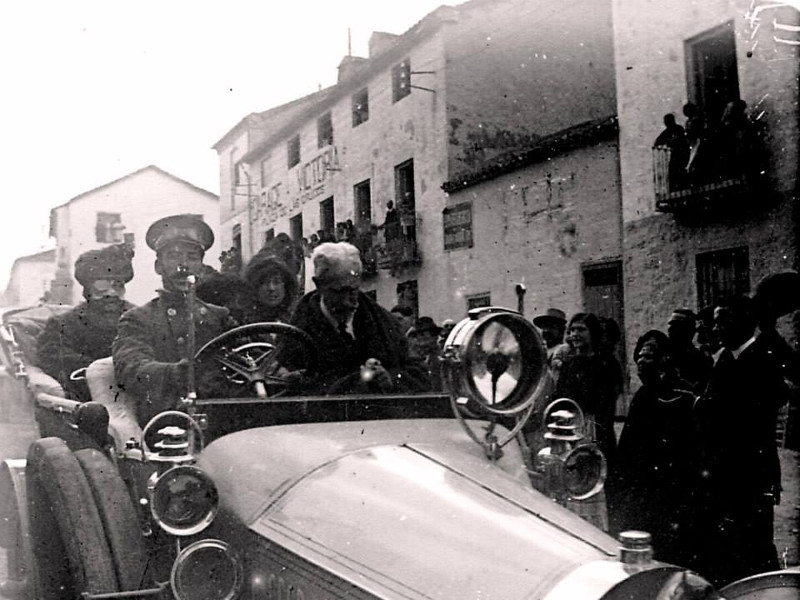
(108,229)
(324,131)
(293,151)
(363,196)
(326,217)
(722,273)
(263,173)
(240,174)
(128,238)
(360,107)
(479,300)
(408,295)
(712,73)
(237,238)
(269,235)
(404,186)
(296,227)
(401,80)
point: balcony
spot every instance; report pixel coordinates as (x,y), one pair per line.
(717,175)
(395,244)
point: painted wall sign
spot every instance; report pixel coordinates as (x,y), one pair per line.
(306,183)
(457,224)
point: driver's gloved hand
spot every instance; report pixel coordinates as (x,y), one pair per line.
(182,373)
(295,380)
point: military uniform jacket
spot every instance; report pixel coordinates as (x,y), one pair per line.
(73,341)
(152,339)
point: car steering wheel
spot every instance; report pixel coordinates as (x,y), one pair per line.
(247,355)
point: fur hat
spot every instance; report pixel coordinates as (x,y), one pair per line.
(112,262)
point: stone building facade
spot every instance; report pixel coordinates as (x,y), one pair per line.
(687,242)
(464,87)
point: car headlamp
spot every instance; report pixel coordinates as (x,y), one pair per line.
(207,569)
(495,362)
(184,500)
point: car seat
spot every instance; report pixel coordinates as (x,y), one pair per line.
(121,407)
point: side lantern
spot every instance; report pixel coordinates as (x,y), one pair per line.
(568,470)
(183,500)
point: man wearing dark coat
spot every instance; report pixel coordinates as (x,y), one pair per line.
(740,469)
(151,351)
(75,339)
(360,345)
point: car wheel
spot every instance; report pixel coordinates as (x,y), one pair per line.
(71,555)
(14,531)
(119,518)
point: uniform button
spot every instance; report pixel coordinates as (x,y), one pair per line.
(203,310)
(172,312)
(180,340)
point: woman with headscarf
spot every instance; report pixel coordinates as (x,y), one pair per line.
(651,488)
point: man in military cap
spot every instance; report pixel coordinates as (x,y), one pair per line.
(151,351)
(75,339)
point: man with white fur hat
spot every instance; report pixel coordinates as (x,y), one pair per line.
(360,345)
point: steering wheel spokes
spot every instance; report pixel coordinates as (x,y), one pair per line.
(247,355)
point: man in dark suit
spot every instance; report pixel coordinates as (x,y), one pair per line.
(740,469)
(151,351)
(360,345)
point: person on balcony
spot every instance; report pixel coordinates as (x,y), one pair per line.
(695,135)
(673,139)
(736,143)
(391,224)
(75,339)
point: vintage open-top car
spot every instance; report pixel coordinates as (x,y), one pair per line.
(361,496)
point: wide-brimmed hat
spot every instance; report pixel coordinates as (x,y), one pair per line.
(552,316)
(424,325)
(778,294)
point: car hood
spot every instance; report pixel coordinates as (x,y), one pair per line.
(409,506)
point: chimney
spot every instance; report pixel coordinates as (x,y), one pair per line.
(349,66)
(381,41)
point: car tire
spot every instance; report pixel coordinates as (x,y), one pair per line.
(71,555)
(118,515)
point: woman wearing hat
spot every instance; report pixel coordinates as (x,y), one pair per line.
(273,275)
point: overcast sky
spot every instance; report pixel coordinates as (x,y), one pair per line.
(92,91)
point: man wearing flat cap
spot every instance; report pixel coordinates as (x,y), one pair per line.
(360,345)
(151,351)
(75,339)
(552,324)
